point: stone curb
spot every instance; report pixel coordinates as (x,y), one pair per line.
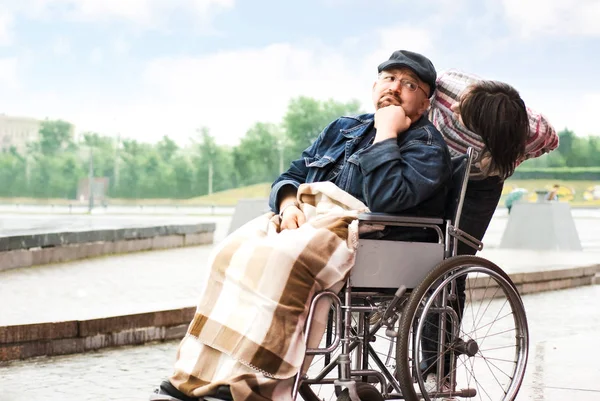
(60,338)
(65,253)
(540,281)
(55,239)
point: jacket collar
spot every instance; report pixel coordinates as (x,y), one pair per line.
(364,126)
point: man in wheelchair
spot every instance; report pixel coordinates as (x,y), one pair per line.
(394,161)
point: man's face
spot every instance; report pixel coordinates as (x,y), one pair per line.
(401,87)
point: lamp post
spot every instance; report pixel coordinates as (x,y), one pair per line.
(210,177)
(281,145)
(91,181)
(116,166)
(281,149)
(211,155)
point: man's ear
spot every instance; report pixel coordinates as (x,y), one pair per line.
(424,106)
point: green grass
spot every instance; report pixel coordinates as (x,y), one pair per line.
(223,198)
(231,196)
(572,191)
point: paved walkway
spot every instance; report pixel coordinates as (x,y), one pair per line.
(158,280)
(563,360)
(23,224)
(108,286)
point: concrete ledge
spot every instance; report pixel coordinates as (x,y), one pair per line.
(45,240)
(45,339)
(69,252)
(115,324)
(533,282)
(37,332)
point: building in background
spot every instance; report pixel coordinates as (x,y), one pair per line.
(19,131)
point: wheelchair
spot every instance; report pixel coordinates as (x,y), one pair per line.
(416,321)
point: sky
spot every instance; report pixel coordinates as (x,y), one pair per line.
(142,69)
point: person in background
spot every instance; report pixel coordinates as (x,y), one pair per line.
(553,194)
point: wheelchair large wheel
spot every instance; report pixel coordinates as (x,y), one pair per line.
(485,346)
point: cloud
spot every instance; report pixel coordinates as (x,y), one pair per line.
(61,46)
(9,73)
(579,116)
(554,17)
(586,115)
(96,56)
(391,39)
(230,91)
(120,46)
(6,26)
(145,13)
(226,91)
(576,110)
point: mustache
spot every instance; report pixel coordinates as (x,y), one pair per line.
(391,94)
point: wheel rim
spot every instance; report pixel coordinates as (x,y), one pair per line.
(493,330)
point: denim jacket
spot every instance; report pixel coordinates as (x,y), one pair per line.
(410,175)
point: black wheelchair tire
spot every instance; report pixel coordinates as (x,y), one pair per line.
(403,354)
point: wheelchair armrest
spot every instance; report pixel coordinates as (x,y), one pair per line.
(385,218)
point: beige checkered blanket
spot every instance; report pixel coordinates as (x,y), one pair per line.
(248,328)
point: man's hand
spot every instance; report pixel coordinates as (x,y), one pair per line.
(390,121)
(292,218)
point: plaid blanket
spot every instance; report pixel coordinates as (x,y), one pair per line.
(248,328)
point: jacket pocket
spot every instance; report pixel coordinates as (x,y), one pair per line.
(318,161)
(319,168)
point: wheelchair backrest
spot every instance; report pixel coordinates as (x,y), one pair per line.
(461,166)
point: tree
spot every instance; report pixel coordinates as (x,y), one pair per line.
(567,140)
(54,135)
(166,148)
(183,176)
(256,158)
(594,150)
(307,117)
(132,157)
(213,164)
(104,154)
(12,174)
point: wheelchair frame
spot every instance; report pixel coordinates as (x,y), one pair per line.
(358,338)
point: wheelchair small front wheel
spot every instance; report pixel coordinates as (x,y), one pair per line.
(478,339)
(366,392)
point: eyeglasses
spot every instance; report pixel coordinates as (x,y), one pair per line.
(408,84)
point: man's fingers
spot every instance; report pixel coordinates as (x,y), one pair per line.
(300,219)
(289,223)
(292,219)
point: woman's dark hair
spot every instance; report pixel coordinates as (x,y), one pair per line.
(495,111)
